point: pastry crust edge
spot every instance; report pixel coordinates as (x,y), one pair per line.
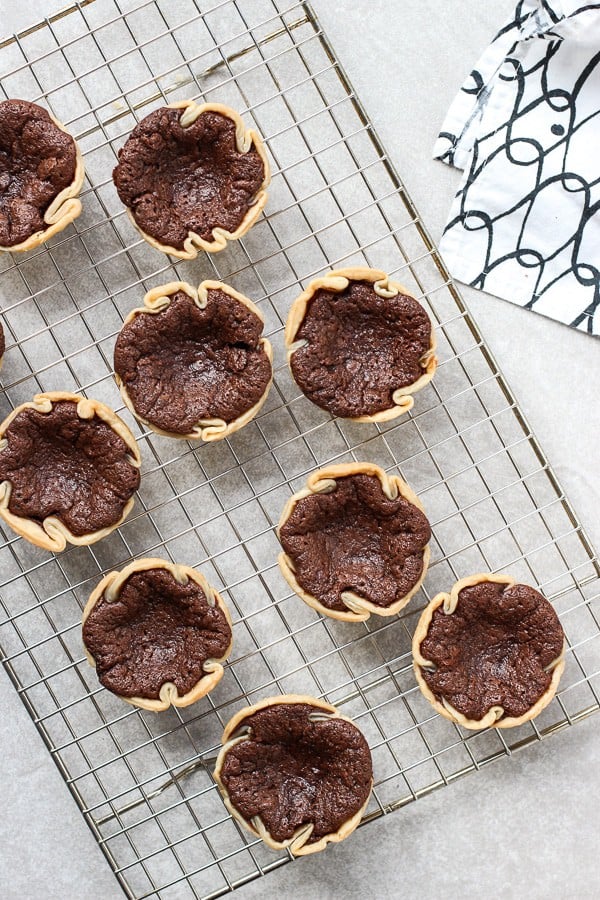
(323,480)
(494,717)
(338,280)
(213,668)
(297,843)
(245,137)
(65,207)
(157,300)
(52,534)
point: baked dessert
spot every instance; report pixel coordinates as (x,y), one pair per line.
(192,177)
(192,363)
(360,345)
(355,542)
(157,634)
(295,772)
(41,173)
(68,470)
(491,652)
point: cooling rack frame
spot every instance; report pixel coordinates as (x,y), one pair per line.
(142,782)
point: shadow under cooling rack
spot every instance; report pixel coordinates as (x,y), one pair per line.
(143,782)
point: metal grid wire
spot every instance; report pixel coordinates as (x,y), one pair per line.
(143,781)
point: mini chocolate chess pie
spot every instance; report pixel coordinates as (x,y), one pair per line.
(41,173)
(489,653)
(295,772)
(157,634)
(355,542)
(192,177)
(68,470)
(193,364)
(359,345)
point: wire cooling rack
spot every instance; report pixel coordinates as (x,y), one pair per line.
(143,781)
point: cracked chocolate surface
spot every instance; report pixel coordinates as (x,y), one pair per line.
(178,180)
(493,650)
(157,631)
(37,161)
(293,771)
(356,539)
(360,348)
(62,465)
(185,364)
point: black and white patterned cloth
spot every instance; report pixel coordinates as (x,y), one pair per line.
(525,127)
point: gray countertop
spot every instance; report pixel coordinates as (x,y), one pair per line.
(526,825)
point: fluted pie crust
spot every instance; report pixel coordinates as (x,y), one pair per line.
(63,210)
(245,139)
(158,299)
(52,534)
(337,281)
(322,481)
(297,844)
(494,717)
(110,587)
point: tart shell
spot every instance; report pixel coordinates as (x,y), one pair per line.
(245,139)
(324,480)
(494,717)
(52,534)
(297,844)
(111,586)
(63,210)
(154,302)
(337,281)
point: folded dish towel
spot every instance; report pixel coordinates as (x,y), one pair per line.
(525,127)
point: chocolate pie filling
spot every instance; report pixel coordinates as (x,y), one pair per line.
(157,631)
(185,364)
(62,465)
(356,539)
(293,771)
(37,161)
(360,348)
(493,650)
(178,180)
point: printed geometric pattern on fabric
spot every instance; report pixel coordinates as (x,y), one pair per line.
(525,224)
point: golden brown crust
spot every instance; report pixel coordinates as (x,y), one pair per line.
(158,299)
(494,716)
(338,281)
(245,138)
(111,586)
(52,534)
(297,844)
(324,480)
(63,210)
